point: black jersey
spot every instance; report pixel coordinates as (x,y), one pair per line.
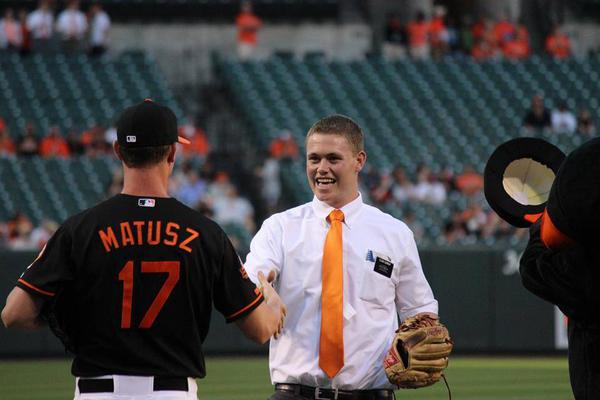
(138,277)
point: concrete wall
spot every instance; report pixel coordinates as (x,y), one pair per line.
(183,51)
(585,37)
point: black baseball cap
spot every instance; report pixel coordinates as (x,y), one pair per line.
(148,124)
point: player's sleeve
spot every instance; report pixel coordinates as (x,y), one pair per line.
(265,249)
(413,293)
(235,295)
(52,267)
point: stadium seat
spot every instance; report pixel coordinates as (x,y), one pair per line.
(439,113)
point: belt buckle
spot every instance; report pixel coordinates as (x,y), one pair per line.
(318,394)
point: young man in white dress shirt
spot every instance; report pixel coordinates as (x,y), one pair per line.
(336,351)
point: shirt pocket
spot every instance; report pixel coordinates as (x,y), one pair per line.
(377,288)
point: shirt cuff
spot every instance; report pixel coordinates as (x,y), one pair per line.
(431,307)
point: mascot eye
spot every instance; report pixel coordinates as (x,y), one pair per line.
(527,181)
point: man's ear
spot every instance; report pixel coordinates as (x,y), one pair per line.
(171,156)
(117,150)
(361,159)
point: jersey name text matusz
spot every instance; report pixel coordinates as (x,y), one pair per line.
(140,233)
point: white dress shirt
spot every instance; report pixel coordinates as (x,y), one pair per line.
(292,242)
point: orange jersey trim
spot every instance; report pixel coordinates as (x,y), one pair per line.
(30,286)
(235,314)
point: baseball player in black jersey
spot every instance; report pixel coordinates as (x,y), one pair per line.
(128,285)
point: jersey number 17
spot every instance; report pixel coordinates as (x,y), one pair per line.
(126,275)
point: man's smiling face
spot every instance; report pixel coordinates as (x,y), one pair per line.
(332,168)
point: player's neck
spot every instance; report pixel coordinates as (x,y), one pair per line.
(151,182)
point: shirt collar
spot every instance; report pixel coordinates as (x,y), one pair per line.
(350,210)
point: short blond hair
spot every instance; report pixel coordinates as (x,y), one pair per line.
(341,125)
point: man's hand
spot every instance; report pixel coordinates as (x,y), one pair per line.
(272,299)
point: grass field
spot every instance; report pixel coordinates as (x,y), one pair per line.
(470,378)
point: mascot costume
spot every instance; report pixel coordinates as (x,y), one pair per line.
(530,183)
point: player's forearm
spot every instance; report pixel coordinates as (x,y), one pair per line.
(22,311)
(261,324)
(270,325)
(15,322)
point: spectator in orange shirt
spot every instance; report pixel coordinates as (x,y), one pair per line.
(6,144)
(284,147)
(248,25)
(485,46)
(504,31)
(53,145)
(558,44)
(469,182)
(518,48)
(198,142)
(418,37)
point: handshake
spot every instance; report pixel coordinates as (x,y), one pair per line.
(272,299)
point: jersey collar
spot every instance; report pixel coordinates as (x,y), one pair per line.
(350,210)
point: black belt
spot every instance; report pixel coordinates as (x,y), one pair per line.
(310,392)
(106,385)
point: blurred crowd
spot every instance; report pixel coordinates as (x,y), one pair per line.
(215,191)
(470,219)
(559,120)
(44,30)
(96,140)
(197,183)
(483,39)
(19,233)
(202,186)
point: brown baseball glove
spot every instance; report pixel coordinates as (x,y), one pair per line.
(419,353)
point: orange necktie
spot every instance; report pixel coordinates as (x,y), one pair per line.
(331,349)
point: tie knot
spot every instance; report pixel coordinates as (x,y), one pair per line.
(336,215)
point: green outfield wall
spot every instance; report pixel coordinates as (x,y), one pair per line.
(479,291)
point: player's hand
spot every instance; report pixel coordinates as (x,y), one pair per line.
(272,298)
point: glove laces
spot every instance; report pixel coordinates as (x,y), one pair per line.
(447,387)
